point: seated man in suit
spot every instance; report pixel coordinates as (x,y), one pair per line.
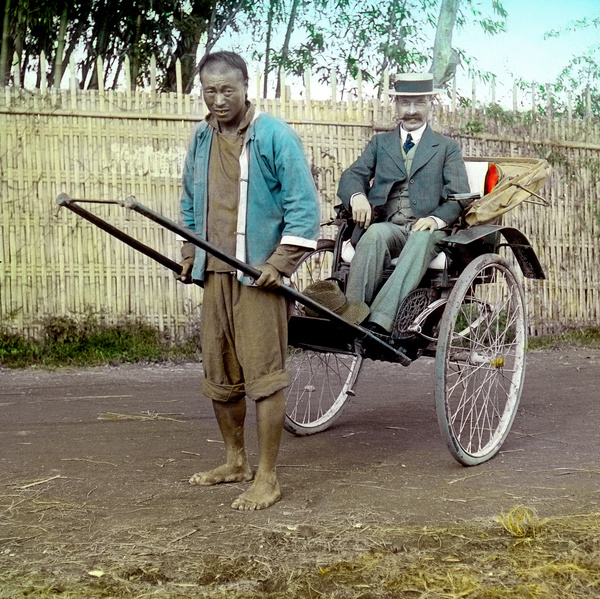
(408,174)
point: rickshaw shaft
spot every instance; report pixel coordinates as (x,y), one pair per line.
(247,269)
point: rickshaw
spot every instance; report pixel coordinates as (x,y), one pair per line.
(468,313)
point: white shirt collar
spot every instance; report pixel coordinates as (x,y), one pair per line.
(416,134)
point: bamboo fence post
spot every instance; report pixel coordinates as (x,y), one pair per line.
(16,69)
(100,70)
(73,83)
(258,88)
(454,94)
(588,102)
(334,88)
(153,74)
(43,71)
(127,74)
(307,94)
(282,88)
(179,79)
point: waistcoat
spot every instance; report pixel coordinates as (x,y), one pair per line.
(397,207)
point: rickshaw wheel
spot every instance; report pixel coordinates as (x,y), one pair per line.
(321,383)
(480,359)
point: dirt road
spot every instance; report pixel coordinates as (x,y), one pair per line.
(94,463)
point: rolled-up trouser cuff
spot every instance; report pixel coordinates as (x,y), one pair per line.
(223,393)
(255,390)
(268,384)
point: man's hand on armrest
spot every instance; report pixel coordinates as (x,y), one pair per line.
(361,210)
(426,224)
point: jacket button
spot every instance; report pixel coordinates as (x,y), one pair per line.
(412,181)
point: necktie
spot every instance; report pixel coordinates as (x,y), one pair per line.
(408,144)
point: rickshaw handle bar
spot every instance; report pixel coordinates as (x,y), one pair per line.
(64,200)
(188,235)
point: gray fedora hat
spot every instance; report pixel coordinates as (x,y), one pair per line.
(414,84)
(328,294)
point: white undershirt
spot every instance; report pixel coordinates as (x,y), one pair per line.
(416,134)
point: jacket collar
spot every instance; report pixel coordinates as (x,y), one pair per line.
(426,149)
(390,144)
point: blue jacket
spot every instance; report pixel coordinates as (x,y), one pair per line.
(278,199)
(437,170)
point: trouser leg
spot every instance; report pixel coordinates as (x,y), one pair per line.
(418,252)
(376,248)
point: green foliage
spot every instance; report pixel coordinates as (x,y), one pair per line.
(112,30)
(14,350)
(86,342)
(575,26)
(501,115)
(332,37)
(472,127)
(587,337)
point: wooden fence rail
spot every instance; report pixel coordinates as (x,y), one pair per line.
(110,145)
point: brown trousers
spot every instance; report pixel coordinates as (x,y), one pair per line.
(244,340)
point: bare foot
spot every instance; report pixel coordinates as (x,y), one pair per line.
(262,494)
(222,474)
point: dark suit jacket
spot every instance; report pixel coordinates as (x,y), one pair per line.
(437,170)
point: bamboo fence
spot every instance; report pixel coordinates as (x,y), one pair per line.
(110,145)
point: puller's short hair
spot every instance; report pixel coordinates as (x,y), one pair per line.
(230,59)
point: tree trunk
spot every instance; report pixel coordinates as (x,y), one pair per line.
(445,59)
(286,44)
(134,54)
(75,37)
(4,54)
(270,17)
(58,71)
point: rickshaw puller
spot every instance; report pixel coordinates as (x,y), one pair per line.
(248,190)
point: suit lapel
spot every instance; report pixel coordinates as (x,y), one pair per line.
(390,144)
(427,148)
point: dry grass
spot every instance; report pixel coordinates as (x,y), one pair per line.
(143,416)
(517,556)
(521,521)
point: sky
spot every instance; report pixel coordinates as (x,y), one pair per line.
(521,52)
